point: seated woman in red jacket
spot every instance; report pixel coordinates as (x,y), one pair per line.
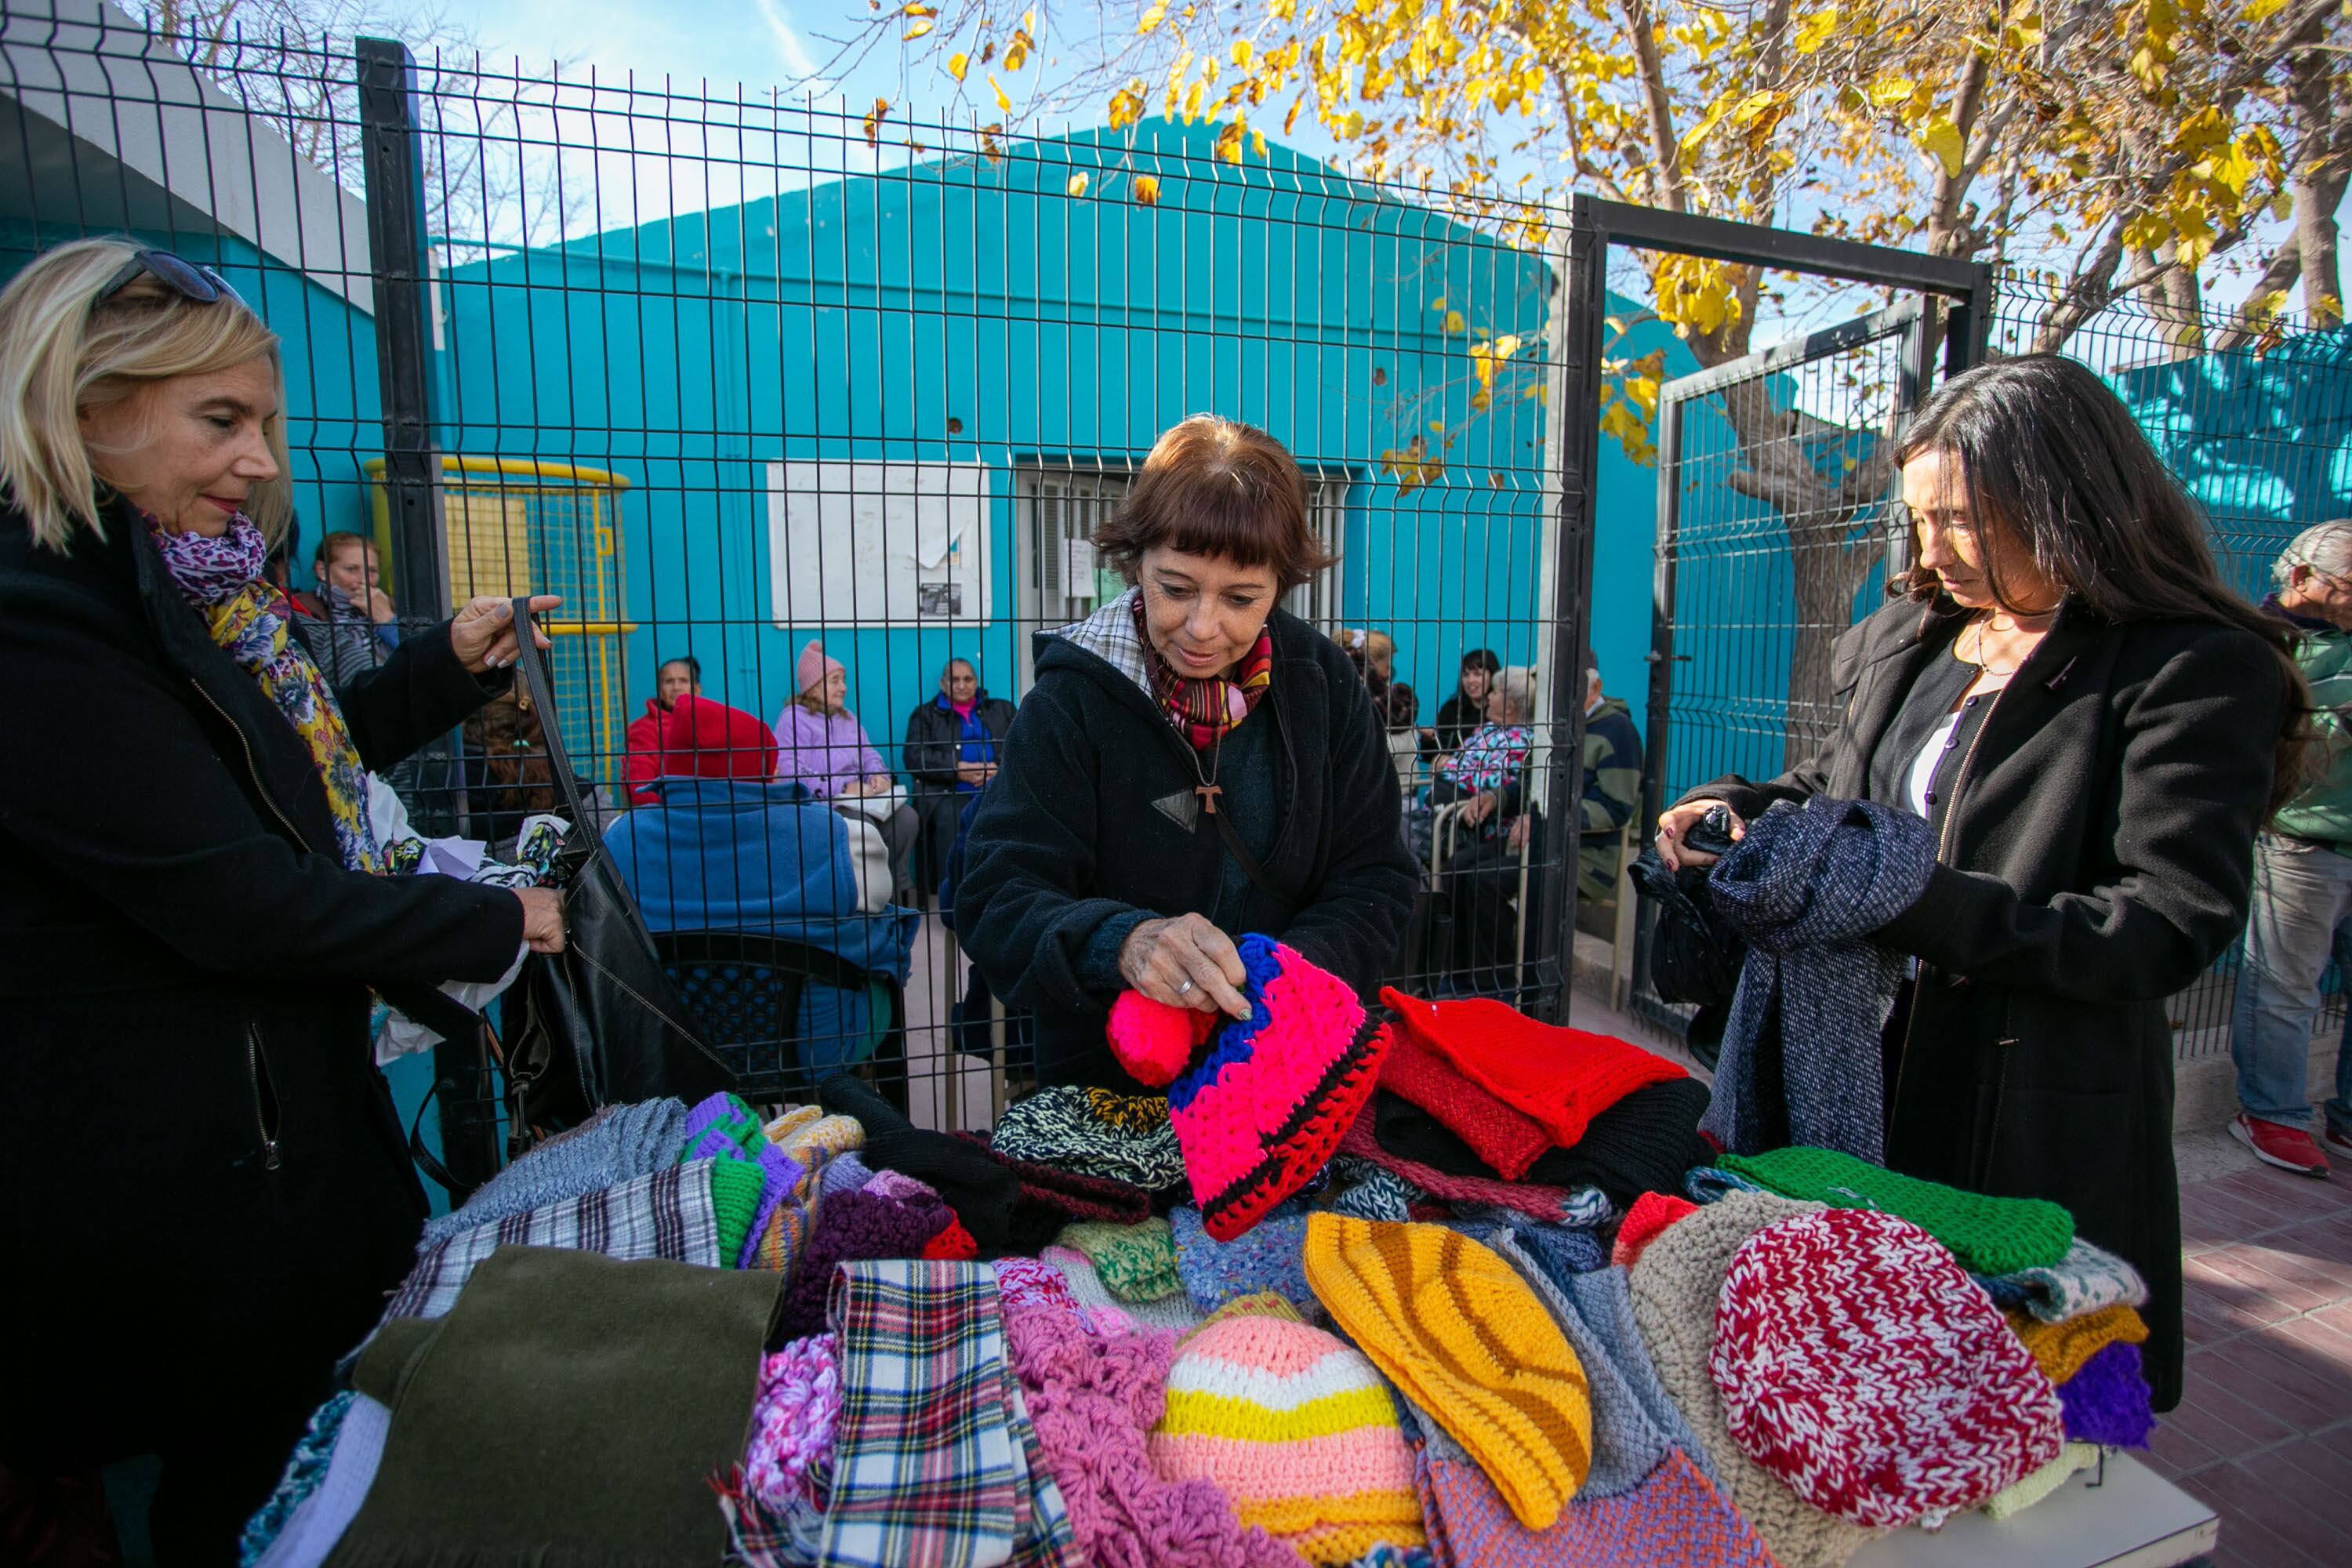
(648,734)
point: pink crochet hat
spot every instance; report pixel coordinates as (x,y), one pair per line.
(1861,1365)
(814,665)
(1259,1103)
(1298,1430)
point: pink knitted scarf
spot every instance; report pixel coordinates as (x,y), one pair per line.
(1093,1393)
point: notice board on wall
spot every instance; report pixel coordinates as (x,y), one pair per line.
(878,544)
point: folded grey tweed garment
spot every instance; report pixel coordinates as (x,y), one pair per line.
(618,1144)
(1807,887)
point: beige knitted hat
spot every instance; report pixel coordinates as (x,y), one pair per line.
(1677,1283)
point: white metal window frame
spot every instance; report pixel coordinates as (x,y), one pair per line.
(1056,510)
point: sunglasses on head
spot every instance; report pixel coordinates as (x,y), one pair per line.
(188,279)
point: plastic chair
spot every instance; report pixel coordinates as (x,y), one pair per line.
(743,990)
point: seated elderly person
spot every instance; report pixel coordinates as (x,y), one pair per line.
(955,742)
(726,848)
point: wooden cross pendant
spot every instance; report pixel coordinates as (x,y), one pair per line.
(1208,793)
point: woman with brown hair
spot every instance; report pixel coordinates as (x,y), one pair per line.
(2092,725)
(1194,763)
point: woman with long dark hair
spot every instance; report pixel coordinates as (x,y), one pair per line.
(2093,725)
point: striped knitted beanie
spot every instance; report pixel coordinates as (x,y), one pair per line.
(1859,1363)
(1296,1430)
(1457,1328)
(1675,1287)
(1095,1132)
(1987,1235)
(1260,1104)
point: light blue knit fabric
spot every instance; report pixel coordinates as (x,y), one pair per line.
(844,1172)
(1270,1256)
(2083,1281)
(1705,1183)
(619,1144)
(1604,1302)
(1626,1443)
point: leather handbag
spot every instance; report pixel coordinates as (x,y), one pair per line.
(599,1023)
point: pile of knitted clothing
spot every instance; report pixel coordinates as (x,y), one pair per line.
(1479,1103)
(911,1345)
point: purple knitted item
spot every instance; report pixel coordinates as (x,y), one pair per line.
(853,1228)
(793,1422)
(2108,1400)
(844,1172)
(1092,1395)
(895,1185)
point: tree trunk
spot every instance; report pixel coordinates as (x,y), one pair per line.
(2319,175)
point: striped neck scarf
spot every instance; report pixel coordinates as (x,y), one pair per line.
(1204,710)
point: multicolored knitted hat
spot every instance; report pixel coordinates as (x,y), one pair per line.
(735,1189)
(1650,1212)
(1457,1328)
(1987,1235)
(1296,1429)
(1047,1197)
(1562,1078)
(806,1132)
(720,1126)
(1676,1288)
(2110,1401)
(1095,1132)
(1858,1363)
(1260,1104)
(2062,1350)
(2087,1279)
(1272,1257)
(1137,1262)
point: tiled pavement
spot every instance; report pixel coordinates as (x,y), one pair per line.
(2263,1434)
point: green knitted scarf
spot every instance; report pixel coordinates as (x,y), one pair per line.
(1989,1235)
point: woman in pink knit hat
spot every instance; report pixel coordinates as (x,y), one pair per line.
(820,742)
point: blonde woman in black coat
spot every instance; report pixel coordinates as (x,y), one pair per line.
(204,1190)
(2095,726)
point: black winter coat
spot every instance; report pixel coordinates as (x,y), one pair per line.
(1067,836)
(205,1190)
(2096,857)
(935,736)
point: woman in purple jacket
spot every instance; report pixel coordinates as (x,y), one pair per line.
(820,742)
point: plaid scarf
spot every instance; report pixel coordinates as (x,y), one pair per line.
(1204,711)
(250,621)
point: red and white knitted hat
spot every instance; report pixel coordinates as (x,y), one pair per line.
(1859,1363)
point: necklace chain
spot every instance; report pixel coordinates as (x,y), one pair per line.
(1979,628)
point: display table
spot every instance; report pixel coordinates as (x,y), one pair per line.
(2121,1513)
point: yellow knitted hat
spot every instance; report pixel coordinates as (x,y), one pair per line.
(2061,1349)
(1457,1328)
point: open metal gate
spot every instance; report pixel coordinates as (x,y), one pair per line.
(1776,532)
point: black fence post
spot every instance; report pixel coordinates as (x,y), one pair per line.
(392,159)
(1574,448)
(393,163)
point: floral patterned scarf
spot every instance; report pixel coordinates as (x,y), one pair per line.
(1204,710)
(251,622)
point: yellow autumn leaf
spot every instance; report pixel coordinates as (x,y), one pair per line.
(1146,190)
(1438,303)
(1077,185)
(1506,345)
(1126,105)
(1242,52)
(1257,144)
(1888,91)
(1016,53)
(874,117)
(958,64)
(914,29)
(1455,323)
(1228,148)
(1029,21)
(1815,28)
(1940,139)
(1004,102)
(1153,18)
(2262,10)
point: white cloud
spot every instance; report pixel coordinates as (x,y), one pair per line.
(789,47)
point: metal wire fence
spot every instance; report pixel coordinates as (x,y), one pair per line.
(733,374)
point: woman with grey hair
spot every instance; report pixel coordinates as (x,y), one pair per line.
(2302,883)
(207,1191)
